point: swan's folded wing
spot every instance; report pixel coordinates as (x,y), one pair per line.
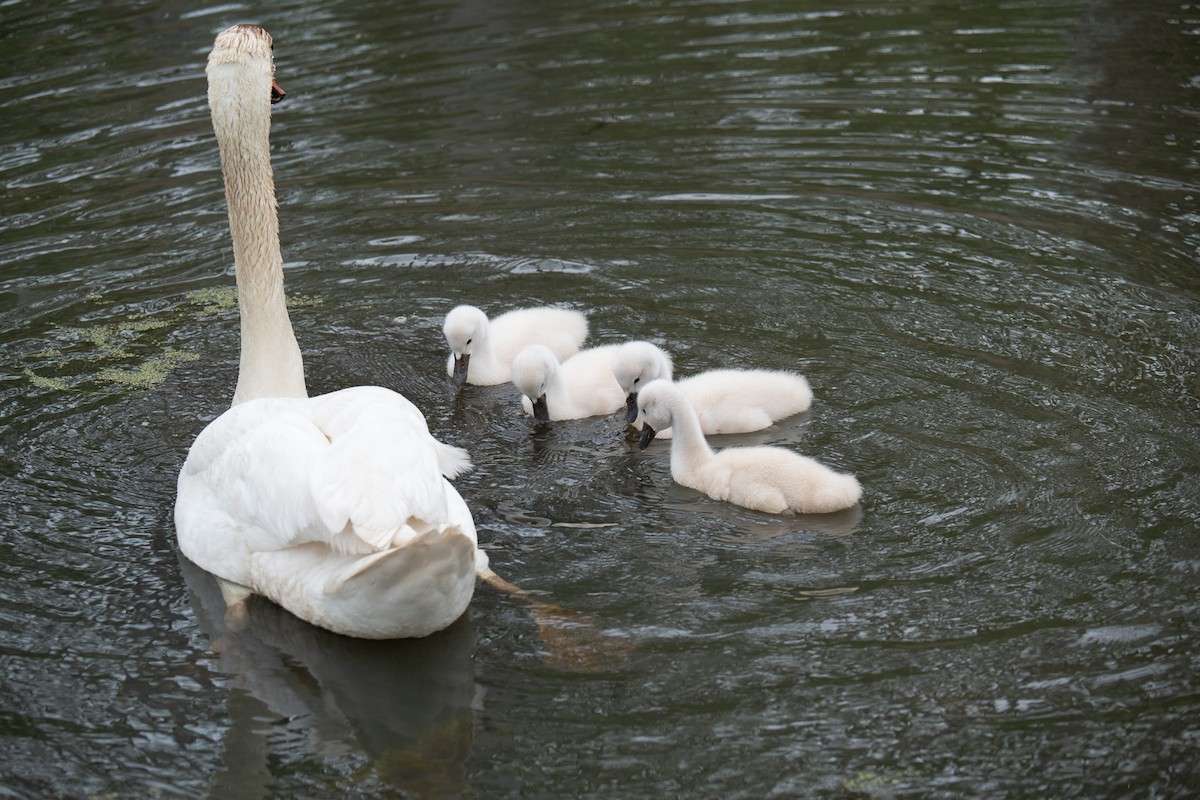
(339,412)
(245,484)
(380,483)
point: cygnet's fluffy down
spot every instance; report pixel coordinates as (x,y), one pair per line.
(769,479)
(725,400)
(482,350)
(581,386)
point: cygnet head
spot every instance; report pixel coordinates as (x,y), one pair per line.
(466,327)
(241,67)
(532,370)
(657,401)
(634,365)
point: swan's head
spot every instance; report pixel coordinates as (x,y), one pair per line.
(634,365)
(241,74)
(466,328)
(657,401)
(532,370)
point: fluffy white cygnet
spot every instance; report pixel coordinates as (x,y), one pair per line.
(725,400)
(769,479)
(581,386)
(482,350)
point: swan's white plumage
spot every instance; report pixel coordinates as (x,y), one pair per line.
(582,386)
(769,479)
(486,347)
(313,503)
(725,400)
(336,507)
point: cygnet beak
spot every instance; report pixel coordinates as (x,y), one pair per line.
(540,412)
(631,410)
(460,368)
(647,436)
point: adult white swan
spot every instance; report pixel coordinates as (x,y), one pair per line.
(482,350)
(725,400)
(769,479)
(336,507)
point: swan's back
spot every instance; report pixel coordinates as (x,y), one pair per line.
(561,330)
(775,480)
(744,400)
(590,369)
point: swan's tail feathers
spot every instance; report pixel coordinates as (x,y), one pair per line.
(404,592)
(432,542)
(414,529)
(452,461)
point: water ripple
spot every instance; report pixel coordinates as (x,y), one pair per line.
(974,230)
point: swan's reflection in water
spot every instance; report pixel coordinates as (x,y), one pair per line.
(301,691)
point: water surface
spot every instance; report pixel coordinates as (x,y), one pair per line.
(974,229)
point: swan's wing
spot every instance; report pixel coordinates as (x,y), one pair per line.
(382,477)
(245,486)
(338,412)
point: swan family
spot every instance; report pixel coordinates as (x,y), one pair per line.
(340,507)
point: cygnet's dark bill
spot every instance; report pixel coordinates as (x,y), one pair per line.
(647,436)
(460,368)
(631,409)
(541,412)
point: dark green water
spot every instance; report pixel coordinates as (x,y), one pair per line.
(974,227)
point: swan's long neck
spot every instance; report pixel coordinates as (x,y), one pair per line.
(271,365)
(689,448)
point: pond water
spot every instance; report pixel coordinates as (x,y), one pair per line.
(974,227)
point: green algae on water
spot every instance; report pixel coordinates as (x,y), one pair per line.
(150,373)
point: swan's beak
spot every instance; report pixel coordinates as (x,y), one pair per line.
(277,92)
(647,436)
(631,407)
(540,411)
(460,368)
